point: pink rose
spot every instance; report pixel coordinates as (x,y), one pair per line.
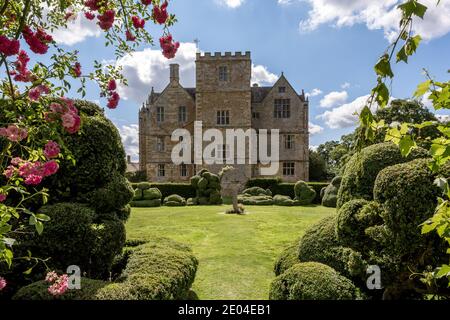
(51,150)
(3,283)
(50,168)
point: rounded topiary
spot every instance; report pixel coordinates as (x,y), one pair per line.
(280,200)
(113,196)
(286,259)
(349,230)
(74,237)
(137,195)
(151,194)
(124,213)
(329,196)
(362,169)
(144,186)
(98,152)
(312,281)
(408,196)
(257,191)
(207,187)
(110,237)
(174,201)
(320,244)
(304,194)
(192,202)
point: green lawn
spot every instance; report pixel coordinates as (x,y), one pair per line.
(236,253)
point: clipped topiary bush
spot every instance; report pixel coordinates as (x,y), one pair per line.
(89,200)
(151,194)
(280,200)
(137,195)
(175,201)
(312,281)
(304,194)
(74,237)
(262,200)
(94,161)
(158,270)
(207,186)
(320,244)
(287,259)
(362,169)
(408,197)
(329,196)
(114,195)
(257,191)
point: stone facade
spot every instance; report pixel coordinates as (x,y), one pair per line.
(223,90)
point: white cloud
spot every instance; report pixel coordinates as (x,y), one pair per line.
(345,115)
(380,14)
(315,92)
(333,99)
(313,148)
(77,31)
(284,2)
(315,129)
(261,75)
(231,3)
(345,85)
(444,118)
(130,140)
(149,68)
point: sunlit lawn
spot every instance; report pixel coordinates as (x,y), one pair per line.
(236,253)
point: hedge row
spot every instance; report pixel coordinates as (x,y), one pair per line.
(167,189)
(158,270)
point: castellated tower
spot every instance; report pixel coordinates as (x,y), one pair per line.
(223,97)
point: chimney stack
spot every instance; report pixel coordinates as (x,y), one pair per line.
(128,159)
(174,72)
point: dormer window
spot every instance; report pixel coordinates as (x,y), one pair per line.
(281,89)
(223,73)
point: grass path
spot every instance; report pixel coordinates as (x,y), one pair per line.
(236,253)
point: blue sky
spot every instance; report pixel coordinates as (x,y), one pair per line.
(326,47)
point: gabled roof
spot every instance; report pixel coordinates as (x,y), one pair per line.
(260,93)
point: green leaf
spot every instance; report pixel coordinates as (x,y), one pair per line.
(366,116)
(28,271)
(427,228)
(383,67)
(422,89)
(406,145)
(42,217)
(444,271)
(39,227)
(412,7)
(382,95)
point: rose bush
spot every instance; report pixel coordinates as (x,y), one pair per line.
(35,111)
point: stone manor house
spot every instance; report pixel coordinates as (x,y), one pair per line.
(223,99)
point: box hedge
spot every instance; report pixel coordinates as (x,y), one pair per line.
(287,259)
(158,270)
(312,281)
